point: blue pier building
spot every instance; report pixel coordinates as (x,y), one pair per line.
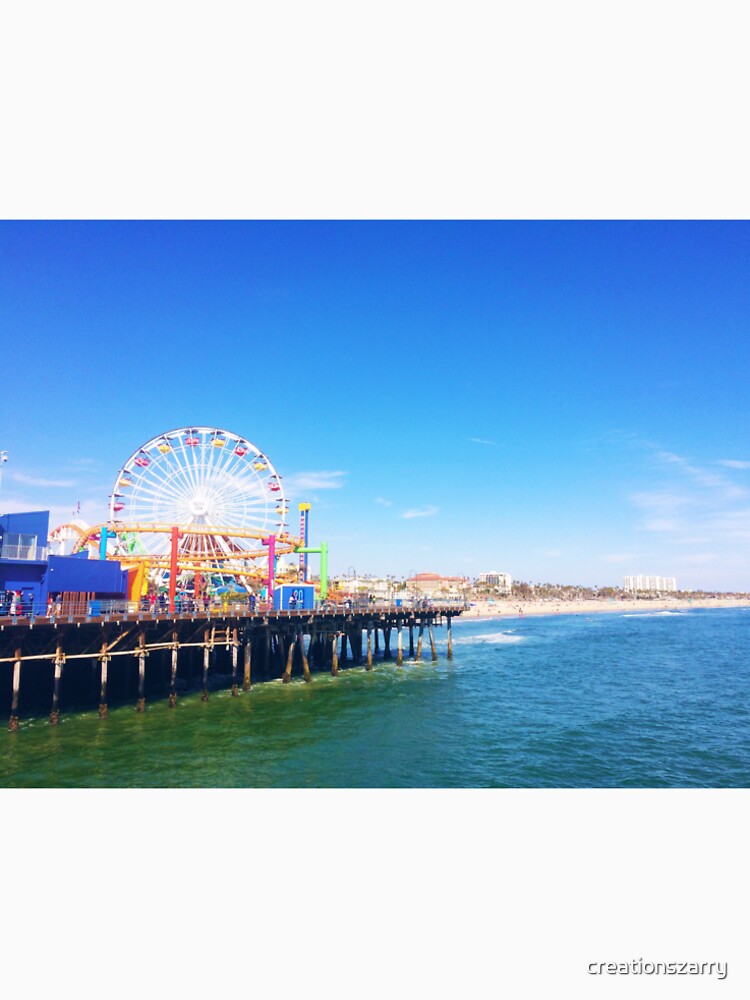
(27,568)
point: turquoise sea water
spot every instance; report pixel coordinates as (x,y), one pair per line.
(612,700)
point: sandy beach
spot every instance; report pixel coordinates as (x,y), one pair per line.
(514,608)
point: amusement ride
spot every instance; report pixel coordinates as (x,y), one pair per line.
(194,507)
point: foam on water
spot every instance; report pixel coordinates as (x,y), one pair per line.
(490,637)
(656,614)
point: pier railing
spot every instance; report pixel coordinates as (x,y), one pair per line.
(107,610)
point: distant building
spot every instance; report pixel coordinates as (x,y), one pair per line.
(664,584)
(503,581)
(380,587)
(434,585)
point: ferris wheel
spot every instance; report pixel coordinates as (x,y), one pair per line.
(220,490)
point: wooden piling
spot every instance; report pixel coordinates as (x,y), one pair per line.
(419,642)
(387,644)
(14,719)
(369,646)
(206,656)
(54,715)
(172,701)
(335,655)
(140,705)
(411,642)
(103,710)
(290,657)
(235,649)
(450,639)
(433,650)
(400,645)
(247,664)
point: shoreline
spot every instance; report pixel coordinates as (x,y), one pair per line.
(522,609)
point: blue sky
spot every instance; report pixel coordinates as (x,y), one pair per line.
(561,401)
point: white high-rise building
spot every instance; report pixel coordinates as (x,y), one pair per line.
(502,580)
(664,584)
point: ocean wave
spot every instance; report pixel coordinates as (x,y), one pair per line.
(656,614)
(490,637)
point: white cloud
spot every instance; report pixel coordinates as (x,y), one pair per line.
(22,477)
(482,441)
(669,456)
(306,481)
(702,477)
(696,516)
(420,512)
(93,510)
(696,558)
(733,463)
(383,502)
(658,500)
(695,506)
(669,524)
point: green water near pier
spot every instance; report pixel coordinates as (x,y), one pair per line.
(274,735)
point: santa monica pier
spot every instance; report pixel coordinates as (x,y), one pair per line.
(193,581)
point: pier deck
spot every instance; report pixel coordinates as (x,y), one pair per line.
(121,656)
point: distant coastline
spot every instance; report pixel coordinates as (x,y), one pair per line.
(512,608)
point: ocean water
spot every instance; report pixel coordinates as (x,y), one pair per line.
(650,700)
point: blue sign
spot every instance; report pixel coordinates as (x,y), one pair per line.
(294,597)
